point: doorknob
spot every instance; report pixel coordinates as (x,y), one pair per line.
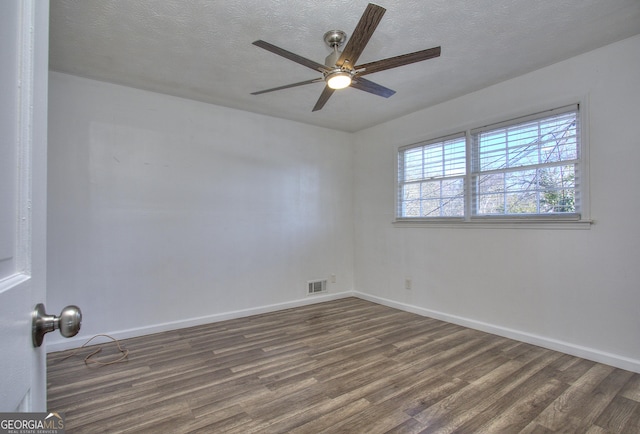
(68,323)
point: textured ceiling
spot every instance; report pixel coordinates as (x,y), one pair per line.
(201,49)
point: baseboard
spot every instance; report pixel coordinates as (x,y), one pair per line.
(77,341)
(541,341)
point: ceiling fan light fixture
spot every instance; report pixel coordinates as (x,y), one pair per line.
(341,68)
(338,79)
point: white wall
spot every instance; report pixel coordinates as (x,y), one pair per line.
(165,212)
(574,290)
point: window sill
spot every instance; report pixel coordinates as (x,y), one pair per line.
(497,223)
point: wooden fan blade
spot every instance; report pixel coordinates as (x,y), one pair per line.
(287,86)
(324,97)
(394,62)
(361,35)
(371,87)
(291,56)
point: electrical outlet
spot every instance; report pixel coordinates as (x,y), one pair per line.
(407,284)
(333,278)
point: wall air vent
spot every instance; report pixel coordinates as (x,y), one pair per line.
(316,287)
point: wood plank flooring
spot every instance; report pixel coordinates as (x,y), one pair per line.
(345,366)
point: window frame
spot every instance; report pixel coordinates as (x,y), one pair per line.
(578,220)
(426,144)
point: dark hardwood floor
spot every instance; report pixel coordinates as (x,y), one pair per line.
(345,366)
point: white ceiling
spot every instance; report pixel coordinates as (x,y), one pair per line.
(201,49)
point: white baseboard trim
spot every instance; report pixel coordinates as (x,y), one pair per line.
(541,341)
(77,341)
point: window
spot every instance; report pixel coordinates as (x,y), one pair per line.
(433,177)
(526,169)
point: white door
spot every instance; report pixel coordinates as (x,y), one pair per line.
(24,42)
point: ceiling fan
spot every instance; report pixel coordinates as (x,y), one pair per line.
(340,69)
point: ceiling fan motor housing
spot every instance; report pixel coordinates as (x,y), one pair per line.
(334,39)
(332,58)
(336,77)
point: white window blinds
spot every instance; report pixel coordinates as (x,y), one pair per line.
(527,166)
(432,177)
